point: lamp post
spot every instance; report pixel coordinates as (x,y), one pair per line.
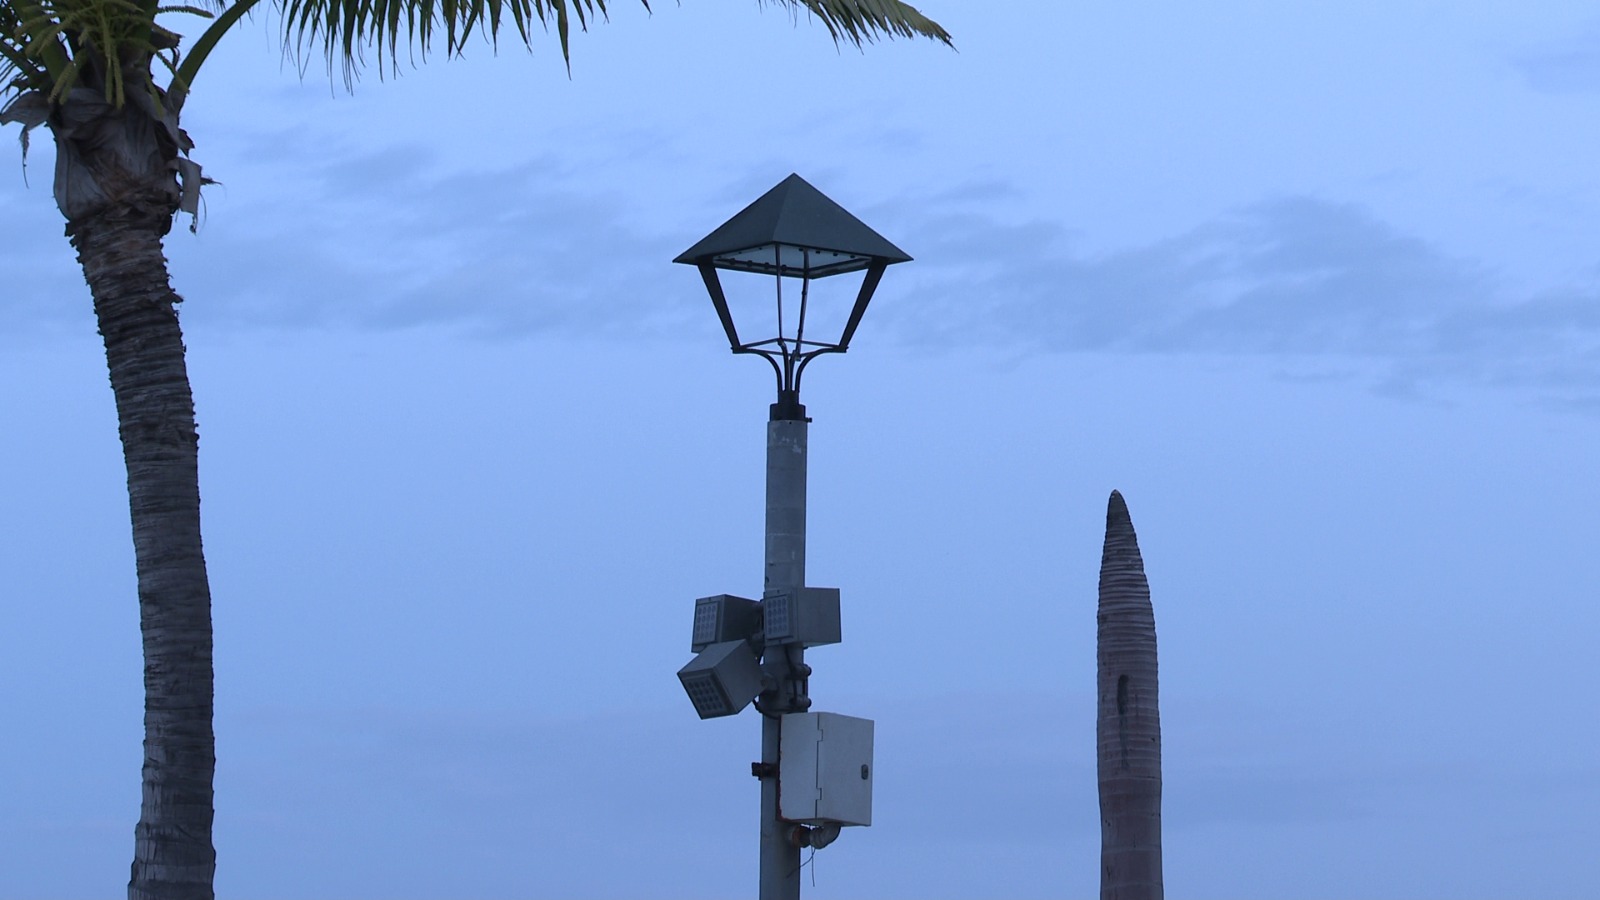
(815,768)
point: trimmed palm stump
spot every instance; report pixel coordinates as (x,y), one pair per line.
(1128,727)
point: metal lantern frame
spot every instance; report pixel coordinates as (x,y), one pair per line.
(793,231)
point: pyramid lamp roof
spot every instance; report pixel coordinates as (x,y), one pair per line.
(794,230)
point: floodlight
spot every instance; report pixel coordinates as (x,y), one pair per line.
(808,616)
(724,618)
(722,679)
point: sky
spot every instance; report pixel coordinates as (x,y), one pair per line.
(1316,286)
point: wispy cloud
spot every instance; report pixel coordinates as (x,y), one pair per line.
(393,240)
(385,239)
(394,243)
(1568,66)
(1294,276)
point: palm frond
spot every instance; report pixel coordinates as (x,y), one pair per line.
(190,10)
(183,75)
(54,45)
(344,29)
(863,21)
(20,71)
(33,60)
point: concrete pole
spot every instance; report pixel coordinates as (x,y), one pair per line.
(785,571)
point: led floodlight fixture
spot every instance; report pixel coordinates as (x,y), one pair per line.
(808,616)
(722,679)
(724,618)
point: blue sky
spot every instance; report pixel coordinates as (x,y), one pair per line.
(1314,286)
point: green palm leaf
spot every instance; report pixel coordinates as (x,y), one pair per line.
(344,29)
(859,21)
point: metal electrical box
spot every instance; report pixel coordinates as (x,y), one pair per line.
(825,769)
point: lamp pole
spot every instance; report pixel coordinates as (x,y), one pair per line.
(787,429)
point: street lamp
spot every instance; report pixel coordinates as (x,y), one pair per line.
(793,232)
(816,767)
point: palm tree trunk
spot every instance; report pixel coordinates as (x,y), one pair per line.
(1128,730)
(114,185)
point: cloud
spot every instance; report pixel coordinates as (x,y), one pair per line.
(395,242)
(1570,66)
(392,239)
(386,238)
(1293,277)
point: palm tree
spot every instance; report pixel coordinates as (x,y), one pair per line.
(1128,729)
(92,73)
